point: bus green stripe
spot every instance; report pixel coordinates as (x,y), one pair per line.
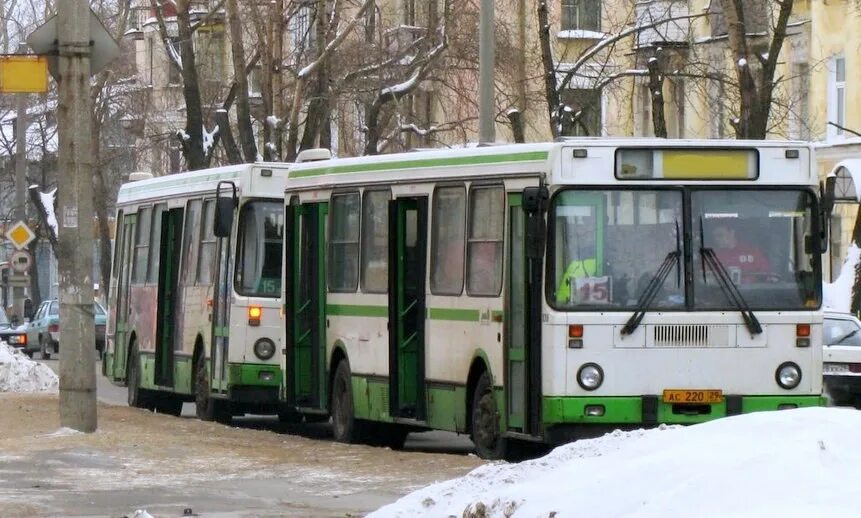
(532,156)
(461,315)
(355,310)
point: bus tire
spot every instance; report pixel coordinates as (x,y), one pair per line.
(208,408)
(345,426)
(137,397)
(484,432)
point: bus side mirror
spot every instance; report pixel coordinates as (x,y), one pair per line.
(224,208)
(535,205)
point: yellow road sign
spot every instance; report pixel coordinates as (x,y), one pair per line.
(23,74)
(20,235)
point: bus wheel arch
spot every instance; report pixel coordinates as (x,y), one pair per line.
(478,367)
(339,354)
(130,348)
(483,412)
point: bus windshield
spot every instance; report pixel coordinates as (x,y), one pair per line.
(616,250)
(258,256)
(764,242)
(609,245)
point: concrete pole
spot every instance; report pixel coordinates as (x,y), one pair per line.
(20,186)
(74,119)
(486,57)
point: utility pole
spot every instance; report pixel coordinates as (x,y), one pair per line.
(74,120)
(486,57)
(20,184)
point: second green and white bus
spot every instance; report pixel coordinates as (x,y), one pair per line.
(543,292)
(194,309)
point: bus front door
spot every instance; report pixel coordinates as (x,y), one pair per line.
(305,306)
(125,249)
(167,321)
(221,315)
(407,263)
(522,324)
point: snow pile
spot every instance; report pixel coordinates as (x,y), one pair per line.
(837,296)
(21,374)
(790,463)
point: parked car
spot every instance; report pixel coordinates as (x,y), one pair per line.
(841,356)
(16,336)
(43,331)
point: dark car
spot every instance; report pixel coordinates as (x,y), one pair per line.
(16,336)
(841,356)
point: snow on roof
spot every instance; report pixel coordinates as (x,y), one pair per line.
(800,462)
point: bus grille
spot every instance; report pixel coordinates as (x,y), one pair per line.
(690,335)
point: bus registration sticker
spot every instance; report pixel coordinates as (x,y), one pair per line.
(692,396)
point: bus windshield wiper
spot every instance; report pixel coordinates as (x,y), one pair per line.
(654,286)
(710,259)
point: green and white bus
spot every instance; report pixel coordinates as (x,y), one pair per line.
(544,292)
(194,308)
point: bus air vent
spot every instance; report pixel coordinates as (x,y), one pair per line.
(689,335)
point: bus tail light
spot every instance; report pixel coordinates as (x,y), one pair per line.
(575,336)
(802,335)
(254,314)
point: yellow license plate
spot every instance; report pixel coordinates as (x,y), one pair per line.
(692,396)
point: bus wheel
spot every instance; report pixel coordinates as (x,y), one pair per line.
(485,421)
(206,407)
(137,397)
(344,425)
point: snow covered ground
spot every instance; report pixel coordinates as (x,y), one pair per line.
(789,463)
(18,373)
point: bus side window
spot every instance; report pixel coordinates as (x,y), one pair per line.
(139,274)
(206,252)
(484,250)
(447,240)
(189,249)
(375,235)
(343,264)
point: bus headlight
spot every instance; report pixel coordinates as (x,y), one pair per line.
(590,376)
(264,348)
(788,375)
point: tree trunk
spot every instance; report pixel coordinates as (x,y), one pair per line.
(243,110)
(192,148)
(516,119)
(279,108)
(552,94)
(656,93)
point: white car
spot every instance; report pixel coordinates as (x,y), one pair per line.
(841,358)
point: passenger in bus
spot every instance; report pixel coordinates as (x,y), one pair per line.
(744,261)
(576,269)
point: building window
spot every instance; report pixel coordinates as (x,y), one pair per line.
(581,15)
(837,97)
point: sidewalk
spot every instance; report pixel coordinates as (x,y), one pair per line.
(140,460)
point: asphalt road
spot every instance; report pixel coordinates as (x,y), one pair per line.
(430,442)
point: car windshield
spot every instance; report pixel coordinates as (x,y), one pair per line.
(98,309)
(4,320)
(839,331)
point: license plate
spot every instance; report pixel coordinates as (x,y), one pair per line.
(835,368)
(692,396)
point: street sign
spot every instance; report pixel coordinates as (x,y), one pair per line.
(23,74)
(20,261)
(20,235)
(104,49)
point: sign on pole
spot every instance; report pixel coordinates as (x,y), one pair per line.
(104,48)
(20,261)
(23,74)
(20,235)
